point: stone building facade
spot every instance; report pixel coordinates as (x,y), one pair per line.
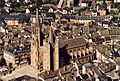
(50,52)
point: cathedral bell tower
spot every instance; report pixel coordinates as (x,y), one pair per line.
(36,53)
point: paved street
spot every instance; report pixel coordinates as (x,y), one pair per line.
(27,70)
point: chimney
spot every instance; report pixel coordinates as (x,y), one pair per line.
(117,68)
(83,70)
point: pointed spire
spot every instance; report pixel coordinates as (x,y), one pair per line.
(38,28)
(37,17)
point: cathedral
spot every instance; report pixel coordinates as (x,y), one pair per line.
(51,51)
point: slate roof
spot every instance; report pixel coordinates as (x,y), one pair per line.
(15,17)
(17,50)
(83,17)
(71,43)
(116,21)
(103,6)
(25,77)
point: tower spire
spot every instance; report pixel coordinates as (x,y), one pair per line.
(56,55)
(35,43)
(37,16)
(38,28)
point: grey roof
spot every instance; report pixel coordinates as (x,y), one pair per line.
(103,6)
(116,21)
(84,17)
(14,17)
(17,50)
(70,43)
(25,77)
(88,65)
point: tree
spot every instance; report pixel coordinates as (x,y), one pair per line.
(113,12)
(2,3)
(10,1)
(115,5)
(112,1)
(53,1)
(50,1)
(15,4)
(118,8)
(38,2)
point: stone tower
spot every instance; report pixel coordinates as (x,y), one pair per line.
(46,56)
(35,43)
(56,54)
(54,42)
(48,41)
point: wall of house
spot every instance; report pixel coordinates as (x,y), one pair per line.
(12,22)
(85,21)
(9,58)
(23,59)
(84,55)
(100,56)
(105,25)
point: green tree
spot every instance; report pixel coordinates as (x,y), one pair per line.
(115,5)
(11,1)
(38,2)
(15,5)
(50,1)
(118,8)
